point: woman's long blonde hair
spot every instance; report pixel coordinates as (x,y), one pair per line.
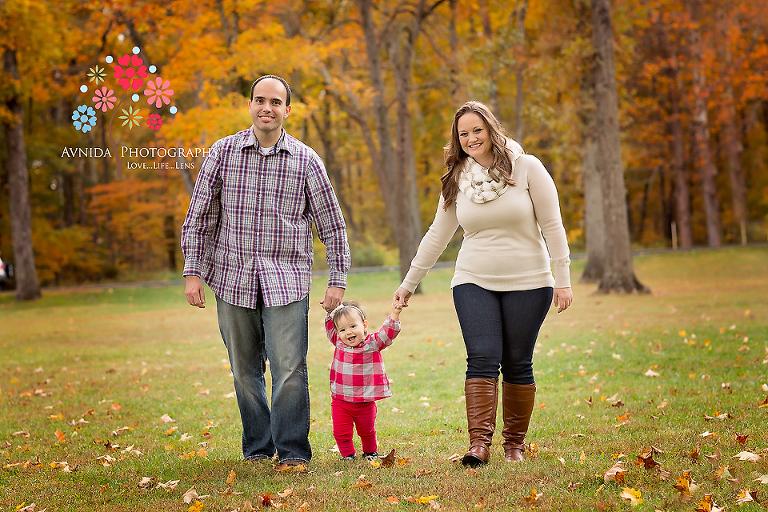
(455,156)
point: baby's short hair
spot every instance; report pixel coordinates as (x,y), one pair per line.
(345,309)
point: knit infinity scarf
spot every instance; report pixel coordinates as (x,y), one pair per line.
(477,184)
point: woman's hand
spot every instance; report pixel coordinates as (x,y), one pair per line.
(563,299)
(401,297)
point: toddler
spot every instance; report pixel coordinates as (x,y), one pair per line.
(358,378)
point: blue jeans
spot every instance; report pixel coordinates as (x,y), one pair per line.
(278,334)
(500,330)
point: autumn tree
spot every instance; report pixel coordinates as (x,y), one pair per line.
(618,274)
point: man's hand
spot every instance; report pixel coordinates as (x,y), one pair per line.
(333,298)
(195,291)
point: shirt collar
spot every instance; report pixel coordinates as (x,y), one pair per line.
(285,141)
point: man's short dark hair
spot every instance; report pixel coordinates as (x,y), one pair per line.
(279,78)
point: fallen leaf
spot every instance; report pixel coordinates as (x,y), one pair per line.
(146,483)
(695,453)
(762,479)
(533,497)
(231,478)
(362,482)
(723,473)
(749,456)
(740,438)
(685,484)
(169,486)
(616,473)
(392,500)
(646,459)
(631,495)
(190,495)
(651,373)
(166,419)
(60,435)
(171,430)
(708,505)
(746,496)
(389,460)
(265,499)
(196,507)
(708,434)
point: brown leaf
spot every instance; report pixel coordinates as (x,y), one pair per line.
(616,473)
(285,492)
(646,459)
(231,478)
(695,453)
(741,438)
(389,460)
(265,499)
(362,482)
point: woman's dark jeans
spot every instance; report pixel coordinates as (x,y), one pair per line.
(500,330)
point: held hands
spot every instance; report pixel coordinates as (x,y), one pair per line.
(396,309)
(333,298)
(563,299)
(401,297)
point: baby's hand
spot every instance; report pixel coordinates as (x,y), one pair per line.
(396,309)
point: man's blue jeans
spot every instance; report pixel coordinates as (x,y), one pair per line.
(278,334)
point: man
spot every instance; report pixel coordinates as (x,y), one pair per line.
(248,235)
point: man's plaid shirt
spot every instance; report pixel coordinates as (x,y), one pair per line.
(249,224)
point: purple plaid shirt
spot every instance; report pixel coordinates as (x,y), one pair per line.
(249,223)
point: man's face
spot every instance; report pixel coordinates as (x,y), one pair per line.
(268,109)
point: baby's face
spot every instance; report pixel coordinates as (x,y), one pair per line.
(351,328)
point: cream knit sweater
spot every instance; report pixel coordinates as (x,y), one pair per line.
(503,248)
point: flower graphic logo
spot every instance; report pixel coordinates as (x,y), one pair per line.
(84,118)
(154,122)
(104,99)
(158,92)
(131,117)
(130,72)
(96,74)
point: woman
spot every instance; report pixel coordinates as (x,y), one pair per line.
(507,204)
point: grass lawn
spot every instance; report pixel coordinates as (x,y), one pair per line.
(90,379)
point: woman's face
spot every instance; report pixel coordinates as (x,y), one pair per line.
(474,138)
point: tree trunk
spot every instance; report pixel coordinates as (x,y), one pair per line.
(395,163)
(682,192)
(520,72)
(27,284)
(618,275)
(704,160)
(594,226)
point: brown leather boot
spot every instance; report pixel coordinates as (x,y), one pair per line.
(482,399)
(517,402)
